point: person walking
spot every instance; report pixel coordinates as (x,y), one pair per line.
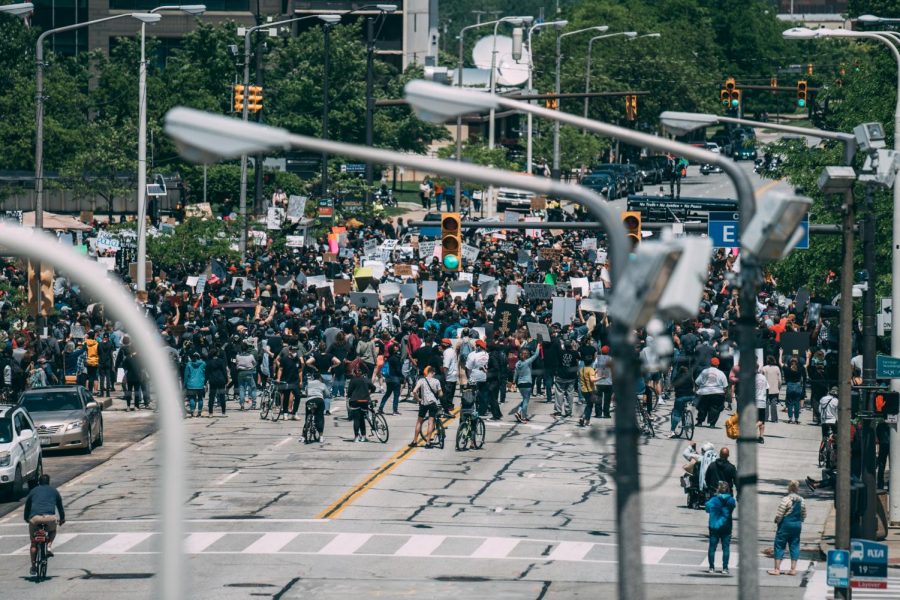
(289,373)
(789,523)
(711,384)
(217,375)
(194,383)
(588,379)
(794,389)
(106,350)
(603,369)
(566,379)
(720,508)
(393,379)
(359,389)
(523,378)
(762,400)
(245,364)
(774,379)
(92,360)
(450,369)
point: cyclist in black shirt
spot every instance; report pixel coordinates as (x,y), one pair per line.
(289,375)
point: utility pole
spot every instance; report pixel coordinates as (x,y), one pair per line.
(867,447)
(370,100)
(327,68)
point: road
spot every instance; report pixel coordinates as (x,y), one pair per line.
(531,515)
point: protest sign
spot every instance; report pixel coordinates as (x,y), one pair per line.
(402,270)
(274,217)
(538,291)
(364,299)
(429,290)
(296,208)
(409,290)
(469,253)
(342,287)
(564,310)
(294,241)
(580,285)
(506,319)
(538,329)
(512,293)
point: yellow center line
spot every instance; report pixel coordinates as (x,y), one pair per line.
(333,511)
(766,187)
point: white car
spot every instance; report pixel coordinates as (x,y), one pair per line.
(511,197)
(21,459)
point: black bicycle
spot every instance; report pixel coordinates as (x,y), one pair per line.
(438,436)
(471,430)
(310,431)
(685,428)
(377,424)
(271,401)
(828,452)
(645,421)
(40,539)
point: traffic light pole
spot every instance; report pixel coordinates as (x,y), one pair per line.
(869,522)
(245,115)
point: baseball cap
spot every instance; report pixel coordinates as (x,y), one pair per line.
(714,362)
(480,344)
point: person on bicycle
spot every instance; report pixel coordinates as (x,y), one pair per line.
(289,372)
(316,392)
(359,389)
(828,408)
(41,507)
(428,393)
(683,384)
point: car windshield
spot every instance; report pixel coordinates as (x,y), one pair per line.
(51,401)
(5,431)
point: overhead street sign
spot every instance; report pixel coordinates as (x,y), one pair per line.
(724,231)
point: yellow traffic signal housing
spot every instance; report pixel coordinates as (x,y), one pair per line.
(631,219)
(238,97)
(735,98)
(730,84)
(725,97)
(552,103)
(451,242)
(801,93)
(631,107)
(254,98)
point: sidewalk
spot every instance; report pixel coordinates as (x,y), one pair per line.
(892,540)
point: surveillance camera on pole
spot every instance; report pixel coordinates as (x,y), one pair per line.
(643,283)
(775,228)
(681,299)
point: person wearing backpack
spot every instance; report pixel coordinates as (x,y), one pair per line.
(721,509)
(391,371)
(92,359)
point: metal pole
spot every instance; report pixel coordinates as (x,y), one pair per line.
(171,494)
(370,100)
(142,169)
(457,191)
(529,150)
(868,529)
(258,168)
(327,67)
(554,172)
(587,77)
(245,115)
(493,85)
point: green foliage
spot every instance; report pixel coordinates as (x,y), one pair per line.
(576,149)
(195,240)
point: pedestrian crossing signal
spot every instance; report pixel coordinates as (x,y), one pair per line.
(887,403)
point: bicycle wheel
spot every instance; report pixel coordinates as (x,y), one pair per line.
(478,434)
(264,406)
(462,435)
(687,424)
(276,409)
(379,427)
(440,434)
(42,562)
(647,424)
(823,445)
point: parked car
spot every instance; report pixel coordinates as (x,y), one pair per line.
(66,417)
(21,458)
(652,170)
(713,147)
(634,174)
(600,183)
(621,179)
(706,169)
(513,198)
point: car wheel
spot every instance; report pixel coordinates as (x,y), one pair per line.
(89,442)
(33,482)
(99,441)
(17,489)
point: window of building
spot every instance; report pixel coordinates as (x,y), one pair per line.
(211,5)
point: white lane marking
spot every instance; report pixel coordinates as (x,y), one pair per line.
(121,543)
(651,555)
(420,545)
(145,521)
(495,548)
(61,538)
(198,542)
(817,587)
(345,543)
(228,477)
(271,543)
(571,551)
(283,442)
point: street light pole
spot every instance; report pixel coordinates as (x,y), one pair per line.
(326,65)
(35,283)
(529,151)
(587,69)
(370,101)
(493,77)
(555,172)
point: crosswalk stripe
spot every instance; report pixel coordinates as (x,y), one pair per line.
(570,551)
(198,542)
(120,543)
(61,538)
(495,548)
(651,555)
(345,543)
(271,543)
(420,545)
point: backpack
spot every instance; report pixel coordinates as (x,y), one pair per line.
(465,349)
(386,369)
(413,342)
(732,427)
(35,380)
(690,345)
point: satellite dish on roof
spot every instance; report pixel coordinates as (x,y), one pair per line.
(509,72)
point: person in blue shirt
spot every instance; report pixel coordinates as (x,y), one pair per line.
(720,508)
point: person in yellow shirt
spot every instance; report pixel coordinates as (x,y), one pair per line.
(92,359)
(587,382)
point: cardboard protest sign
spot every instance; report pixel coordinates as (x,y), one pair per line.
(325,292)
(316,280)
(274,217)
(589,244)
(427,248)
(370,248)
(429,290)
(409,290)
(489,288)
(460,289)
(538,329)
(201,210)
(364,299)
(512,293)
(469,253)
(341,287)
(296,208)
(506,319)
(564,310)
(401,270)
(580,285)
(389,290)
(539,203)
(551,254)
(377,268)
(795,343)
(593,305)
(294,241)
(330,257)
(463,276)
(538,291)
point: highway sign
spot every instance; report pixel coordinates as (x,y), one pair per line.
(838,569)
(724,232)
(868,565)
(887,367)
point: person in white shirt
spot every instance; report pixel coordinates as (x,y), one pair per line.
(450,369)
(711,384)
(828,410)
(775,380)
(476,365)
(762,399)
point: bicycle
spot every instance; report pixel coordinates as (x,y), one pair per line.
(828,452)
(271,401)
(644,421)
(471,430)
(310,431)
(685,428)
(438,436)
(41,538)
(651,398)
(377,424)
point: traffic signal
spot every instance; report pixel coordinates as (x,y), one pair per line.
(552,103)
(631,107)
(631,219)
(451,242)
(254,98)
(801,93)
(725,97)
(887,403)
(238,97)
(809,69)
(735,98)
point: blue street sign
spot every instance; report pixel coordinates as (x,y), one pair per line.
(838,570)
(868,564)
(723,229)
(887,367)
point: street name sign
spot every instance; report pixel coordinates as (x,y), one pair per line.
(724,230)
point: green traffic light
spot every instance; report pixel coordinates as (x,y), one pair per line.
(801,102)
(451,261)
(735,103)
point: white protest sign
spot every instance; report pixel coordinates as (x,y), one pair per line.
(581,285)
(469,253)
(274,218)
(294,241)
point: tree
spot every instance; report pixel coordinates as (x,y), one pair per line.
(193,242)
(576,149)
